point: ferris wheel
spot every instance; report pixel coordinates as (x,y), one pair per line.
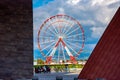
(61,37)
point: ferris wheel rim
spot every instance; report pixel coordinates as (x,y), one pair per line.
(51,23)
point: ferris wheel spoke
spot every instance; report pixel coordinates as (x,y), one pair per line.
(49,33)
(53,27)
(72,49)
(48,41)
(73,44)
(55,30)
(58,53)
(59,26)
(48,52)
(48,46)
(63,54)
(74,35)
(74,40)
(57,21)
(72,31)
(65,27)
(45,37)
(49,25)
(69,28)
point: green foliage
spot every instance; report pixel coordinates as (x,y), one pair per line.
(40,61)
(62,66)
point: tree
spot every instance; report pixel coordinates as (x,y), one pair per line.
(40,61)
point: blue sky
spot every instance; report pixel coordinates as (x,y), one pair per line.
(93,15)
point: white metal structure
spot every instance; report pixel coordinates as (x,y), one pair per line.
(60,37)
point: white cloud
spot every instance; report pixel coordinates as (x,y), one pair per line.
(96,2)
(102,10)
(87,22)
(97,31)
(61,11)
(73,2)
(93,12)
(90,46)
(96,13)
(102,2)
(105,14)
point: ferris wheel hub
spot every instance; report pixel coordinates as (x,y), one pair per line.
(61,37)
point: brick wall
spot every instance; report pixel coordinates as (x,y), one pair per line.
(16,39)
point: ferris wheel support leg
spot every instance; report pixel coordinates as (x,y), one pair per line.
(73,60)
(48,59)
